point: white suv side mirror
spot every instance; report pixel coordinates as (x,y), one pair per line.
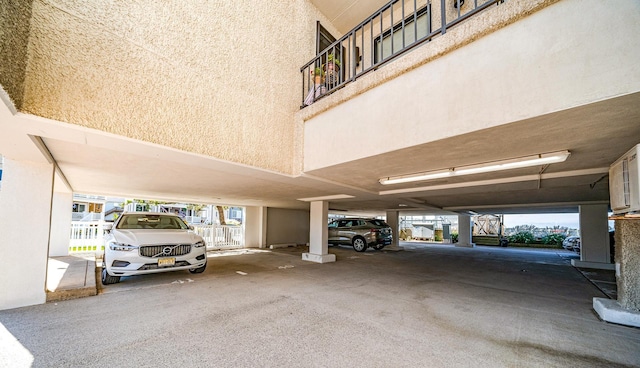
(108,226)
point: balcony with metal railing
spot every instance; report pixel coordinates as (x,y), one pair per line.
(395,29)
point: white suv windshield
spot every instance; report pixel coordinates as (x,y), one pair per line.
(133,221)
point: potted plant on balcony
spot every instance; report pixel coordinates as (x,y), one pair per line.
(318,75)
(332,64)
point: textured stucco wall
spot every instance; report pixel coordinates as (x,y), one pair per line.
(15,17)
(628,261)
(219,78)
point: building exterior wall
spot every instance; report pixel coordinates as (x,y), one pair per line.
(546,62)
(287,226)
(15,19)
(255,227)
(219,78)
(25,203)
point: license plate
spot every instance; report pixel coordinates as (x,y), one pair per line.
(166,262)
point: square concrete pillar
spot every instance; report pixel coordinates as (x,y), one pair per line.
(319,234)
(393,219)
(594,237)
(255,227)
(25,209)
(626,310)
(60,218)
(628,262)
(465,226)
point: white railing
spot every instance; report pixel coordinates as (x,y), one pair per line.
(86,236)
(221,236)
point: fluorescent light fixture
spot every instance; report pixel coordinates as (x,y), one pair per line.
(416,177)
(326,198)
(515,163)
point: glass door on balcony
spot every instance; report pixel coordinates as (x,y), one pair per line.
(415,28)
(324,39)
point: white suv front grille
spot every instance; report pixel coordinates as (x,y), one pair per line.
(169,250)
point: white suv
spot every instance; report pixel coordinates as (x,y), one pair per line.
(144,242)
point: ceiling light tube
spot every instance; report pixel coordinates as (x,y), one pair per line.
(534,160)
(417,177)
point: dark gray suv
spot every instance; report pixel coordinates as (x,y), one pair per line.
(361,233)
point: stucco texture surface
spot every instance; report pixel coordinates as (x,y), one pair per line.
(219,78)
(628,256)
(15,16)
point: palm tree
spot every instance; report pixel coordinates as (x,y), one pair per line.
(221,215)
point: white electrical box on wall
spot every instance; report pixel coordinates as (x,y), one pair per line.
(624,182)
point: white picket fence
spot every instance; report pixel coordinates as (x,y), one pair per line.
(88,236)
(221,236)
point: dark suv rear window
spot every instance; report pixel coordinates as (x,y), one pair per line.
(378,222)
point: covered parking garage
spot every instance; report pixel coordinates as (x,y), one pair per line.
(86,134)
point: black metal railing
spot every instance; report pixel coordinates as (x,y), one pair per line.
(394,29)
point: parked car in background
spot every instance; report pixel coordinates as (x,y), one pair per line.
(571,243)
(147,242)
(360,233)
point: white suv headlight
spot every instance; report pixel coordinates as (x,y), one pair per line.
(122,247)
(199,244)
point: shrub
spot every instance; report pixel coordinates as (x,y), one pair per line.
(454,237)
(524,237)
(555,239)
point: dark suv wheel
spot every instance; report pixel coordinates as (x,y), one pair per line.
(359,244)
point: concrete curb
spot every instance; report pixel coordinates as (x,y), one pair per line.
(76,278)
(611,311)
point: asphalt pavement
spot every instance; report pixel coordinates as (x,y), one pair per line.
(426,306)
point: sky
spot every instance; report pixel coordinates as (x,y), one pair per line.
(570,220)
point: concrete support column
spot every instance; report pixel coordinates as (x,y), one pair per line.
(60,218)
(393,219)
(318,234)
(465,224)
(25,209)
(255,227)
(628,262)
(626,310)
(594,238)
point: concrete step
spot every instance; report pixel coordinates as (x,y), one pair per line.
(71,277)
